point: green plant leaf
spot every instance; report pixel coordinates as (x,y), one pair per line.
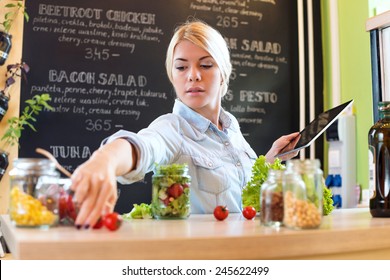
(8,15)
(16,125)
(26,16)
(17,133)
(31,126)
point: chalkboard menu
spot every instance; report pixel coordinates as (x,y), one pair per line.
(102,62)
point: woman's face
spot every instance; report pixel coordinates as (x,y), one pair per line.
(196,78)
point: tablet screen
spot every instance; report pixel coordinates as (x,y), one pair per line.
(311,132)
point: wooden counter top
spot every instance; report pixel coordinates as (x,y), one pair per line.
(345,234)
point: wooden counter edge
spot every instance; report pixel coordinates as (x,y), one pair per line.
(7,257)
(356,243)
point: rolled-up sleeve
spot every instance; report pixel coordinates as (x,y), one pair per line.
(159,143)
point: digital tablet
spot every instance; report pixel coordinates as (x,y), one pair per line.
(311,132)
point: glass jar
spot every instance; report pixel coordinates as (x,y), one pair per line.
(5,46)
(3,104)
(302,194)
(3,162)
(379,163)
(34,193)
(171,192)
(271,199)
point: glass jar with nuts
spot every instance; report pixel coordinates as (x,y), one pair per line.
(302,194)
(271,199)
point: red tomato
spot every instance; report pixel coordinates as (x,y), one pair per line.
(112,221)
(249,212)
(165,201)
(62,206)
(72,210)
(67,209)
(175,190)
(221,212)
(98,224)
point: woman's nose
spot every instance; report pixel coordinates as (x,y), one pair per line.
(194,75)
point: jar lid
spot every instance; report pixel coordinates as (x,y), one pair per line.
(276,172)
(300,166)
(34,164)
(3,33)
(177,169)
(3,96)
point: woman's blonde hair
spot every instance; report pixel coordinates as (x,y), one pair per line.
(207,38)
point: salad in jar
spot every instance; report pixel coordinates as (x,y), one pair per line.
(171,192)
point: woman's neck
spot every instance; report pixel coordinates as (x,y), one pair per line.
(212,115)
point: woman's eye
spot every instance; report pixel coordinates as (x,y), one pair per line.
(207,66)
(180,68)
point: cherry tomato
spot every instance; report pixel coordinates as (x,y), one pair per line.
(98,224)
(249,212)
(175,190)
(112,221)
(221,212)
(72,208)
(62,205)
(68,210)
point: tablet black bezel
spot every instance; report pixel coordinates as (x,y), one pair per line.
(330,116)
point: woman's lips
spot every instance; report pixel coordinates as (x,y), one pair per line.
(195,90)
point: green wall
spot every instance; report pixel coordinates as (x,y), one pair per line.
(355,72)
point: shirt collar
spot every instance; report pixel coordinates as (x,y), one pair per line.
(198,121)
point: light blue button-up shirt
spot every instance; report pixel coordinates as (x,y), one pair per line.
(219,161)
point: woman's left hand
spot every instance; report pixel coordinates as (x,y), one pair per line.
(283,144)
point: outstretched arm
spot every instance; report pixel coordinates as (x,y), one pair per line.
(94,182)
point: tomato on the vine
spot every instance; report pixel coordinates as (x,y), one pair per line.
(249,212)
(112,221)
(221,212)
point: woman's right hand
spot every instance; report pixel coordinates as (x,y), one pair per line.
(94,182)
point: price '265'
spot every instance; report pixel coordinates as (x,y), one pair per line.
(97,54)
(97,125)
(226,21)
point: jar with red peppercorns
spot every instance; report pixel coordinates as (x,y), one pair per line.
(271,199)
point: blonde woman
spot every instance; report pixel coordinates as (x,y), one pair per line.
(198,132)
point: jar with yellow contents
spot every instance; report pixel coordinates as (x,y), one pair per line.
(34,193)
(302,194)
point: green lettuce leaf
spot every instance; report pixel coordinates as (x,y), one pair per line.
(251,192)
(142,211)
(327,201)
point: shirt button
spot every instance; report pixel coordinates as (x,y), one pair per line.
(226,143)
(210,164)
(238,163)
